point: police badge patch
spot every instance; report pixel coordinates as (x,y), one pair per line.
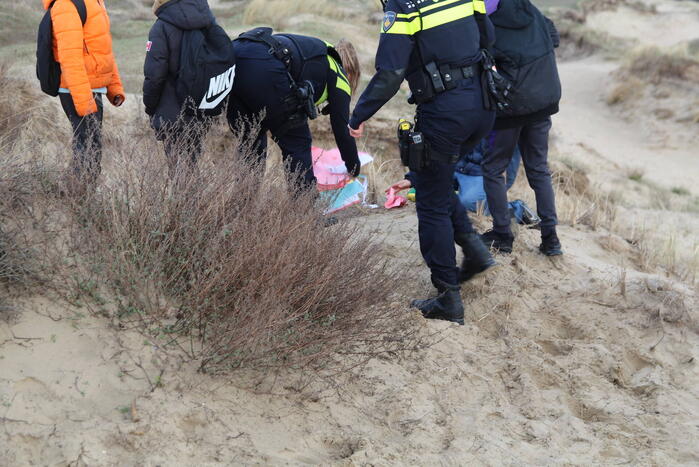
(388,20)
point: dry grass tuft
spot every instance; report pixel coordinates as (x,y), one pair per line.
(278,12)
(625,91)
(25,179)
(656,65)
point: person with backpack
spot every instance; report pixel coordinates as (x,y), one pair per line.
(75,61)
(524,52)
(189,72)
(283,79)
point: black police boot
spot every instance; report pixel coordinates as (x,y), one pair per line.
(429,303)
(447,306)
(477,258)
(501,243)
(550,245)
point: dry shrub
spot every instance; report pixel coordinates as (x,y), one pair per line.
(629,88)
(278,12)
(24,217)
(23,111)
(19,21)
(577,40)
(26,179)
(656,65)
(233,268)
(578,202)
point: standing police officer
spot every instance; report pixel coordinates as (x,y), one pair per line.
(436,45)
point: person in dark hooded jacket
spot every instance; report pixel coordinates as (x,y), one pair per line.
(181,133)
(524,52)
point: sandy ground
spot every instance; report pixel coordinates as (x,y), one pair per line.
(584,360)
(559,363)
(590,131)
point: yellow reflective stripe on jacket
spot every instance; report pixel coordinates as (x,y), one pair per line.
(343,85)
(407,15)
(342,82)
(324,97)
(437,5)
(447,16)
(409,27)
(412,23)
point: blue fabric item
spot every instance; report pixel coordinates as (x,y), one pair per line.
(471,192)
(95,91)
(472,196)
(469,179)
(470,163)
(491,6)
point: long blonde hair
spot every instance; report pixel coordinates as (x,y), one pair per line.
(350,62)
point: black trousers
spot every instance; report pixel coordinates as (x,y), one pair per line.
(533,140)
(453,123)
(183,143)
(87,138)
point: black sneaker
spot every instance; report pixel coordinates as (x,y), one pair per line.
(550,245)
(499,242)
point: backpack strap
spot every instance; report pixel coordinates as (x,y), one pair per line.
(82,10)
(276,48)
(80,6)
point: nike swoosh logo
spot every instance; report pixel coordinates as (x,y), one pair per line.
(223,84)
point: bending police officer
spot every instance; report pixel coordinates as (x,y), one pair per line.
(286,77)
(437,46)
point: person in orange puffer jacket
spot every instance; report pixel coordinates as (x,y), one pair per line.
(88,72)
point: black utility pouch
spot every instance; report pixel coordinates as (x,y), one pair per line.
(489,102)
(436,77)
(404,130)
(404,146)
(420,87)
(306,95)
(448,78)
(417,152)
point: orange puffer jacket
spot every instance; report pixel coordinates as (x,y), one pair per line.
(85,53)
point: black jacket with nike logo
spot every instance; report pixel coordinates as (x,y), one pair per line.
(163,56)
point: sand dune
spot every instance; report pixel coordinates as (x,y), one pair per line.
(586,360)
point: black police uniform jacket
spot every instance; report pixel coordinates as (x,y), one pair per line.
(415,33)
(163,56)
(332,89)
(524,53)
(310,62)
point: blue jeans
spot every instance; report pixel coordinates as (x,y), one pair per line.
(471,189)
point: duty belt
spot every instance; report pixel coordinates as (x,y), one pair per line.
(444,77)
(449,73)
